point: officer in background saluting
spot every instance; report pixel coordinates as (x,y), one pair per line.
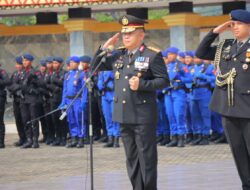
(139,71)
(231,97)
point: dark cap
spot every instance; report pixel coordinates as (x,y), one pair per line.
(131,23)
(85,59)
(19,60)
(42,63)
(240,15)
(58,59)
(28,56)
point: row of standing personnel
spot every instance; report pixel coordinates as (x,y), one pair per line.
(39,92)
(184,116)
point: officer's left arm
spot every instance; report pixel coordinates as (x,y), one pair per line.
(160,77)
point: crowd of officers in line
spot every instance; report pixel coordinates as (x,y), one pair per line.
(184,116)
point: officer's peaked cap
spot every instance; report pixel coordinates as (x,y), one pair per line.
(131,23)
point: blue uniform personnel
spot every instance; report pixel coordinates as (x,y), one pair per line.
(106,86)
(73,82)
(175,104)
(201,95)
(188,80)
(163,130)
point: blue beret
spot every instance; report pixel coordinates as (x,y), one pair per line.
(173,50)
(75,59)
(43,63)
(85,59)
(58,59)
(49,59)
(181,54)
(189,53)
(19,60)
(164,53)
(28,57)
(240,15)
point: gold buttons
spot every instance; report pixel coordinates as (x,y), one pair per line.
(124,89)
(124,101)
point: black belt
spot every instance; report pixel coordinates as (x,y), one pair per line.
(72,97)
(179,87)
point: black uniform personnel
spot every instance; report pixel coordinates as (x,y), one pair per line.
(46,122)
(231,96)
(4,81)
(56,88)
(136,110)
(16,93)
(29,105)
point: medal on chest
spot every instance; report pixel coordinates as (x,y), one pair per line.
(117,75)
(248,55)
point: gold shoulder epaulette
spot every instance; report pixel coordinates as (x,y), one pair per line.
(154,49)
(121,48)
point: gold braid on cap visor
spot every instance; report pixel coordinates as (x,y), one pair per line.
(127,29)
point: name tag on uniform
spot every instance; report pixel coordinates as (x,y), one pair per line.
(142,63)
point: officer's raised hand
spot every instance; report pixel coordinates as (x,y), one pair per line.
(134,83)
(223,27)
(111,41)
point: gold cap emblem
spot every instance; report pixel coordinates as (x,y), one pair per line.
(124,21)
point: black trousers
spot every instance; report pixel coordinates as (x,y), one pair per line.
(30,111)
(237,131)
(43,122)
(141,154)
(60,126)
(49,132)
(18,120)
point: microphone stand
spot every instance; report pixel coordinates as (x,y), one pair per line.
(89,84)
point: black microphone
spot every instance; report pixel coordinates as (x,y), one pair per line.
(109,49)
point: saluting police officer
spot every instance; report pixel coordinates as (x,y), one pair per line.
(139,71)
(231,96)
(4,81)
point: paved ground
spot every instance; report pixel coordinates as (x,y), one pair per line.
(189,168)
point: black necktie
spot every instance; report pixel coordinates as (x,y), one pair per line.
(130,55)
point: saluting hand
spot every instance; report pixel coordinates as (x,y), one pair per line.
(134,83)
(223,27)
(112,41)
